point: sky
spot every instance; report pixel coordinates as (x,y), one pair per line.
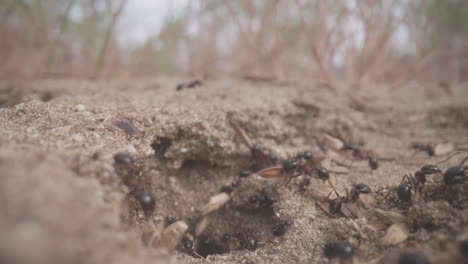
(143,18)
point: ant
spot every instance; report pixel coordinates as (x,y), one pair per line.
(455,175)
(423,147)
(147,202)
(191,84)
(412,258)
(409,183)
(280,228)
(334,206)
(240,240)
(416,183)
(363,154)
(359,153)
(303,164)
(259,154)
(264,200)
(339,249)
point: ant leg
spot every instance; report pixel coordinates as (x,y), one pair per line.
(449,157)
(337,194)
(346,159)
(414,153)
(402,180)
(414,185)
(388,193)
(463,161)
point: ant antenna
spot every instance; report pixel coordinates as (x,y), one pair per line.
(463,161)
(449,157)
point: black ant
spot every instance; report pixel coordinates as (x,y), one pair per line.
(264,200)
(240,240)
(123,158)
(191,84)
(456,175)
(124,165)
(244,173)
(338,249)
(409,183)
(334,206)
(187,246)
(280,228)
(416,183)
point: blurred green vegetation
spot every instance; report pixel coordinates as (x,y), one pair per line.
(357,41)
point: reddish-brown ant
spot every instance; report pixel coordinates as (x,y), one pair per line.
(147,202)
(423,147)
(302,164)
(260,155)
(363,154)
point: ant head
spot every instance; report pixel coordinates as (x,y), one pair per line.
(290,165)
(362,188)
(323,173)
(187,243)
(339,249)
(226,237)
(307,155)
(123,158)
(252,242)
(430,169)
(147,202)
(244,173)
(413,257)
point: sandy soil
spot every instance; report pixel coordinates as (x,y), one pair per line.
(63,200)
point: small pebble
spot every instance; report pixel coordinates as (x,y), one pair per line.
(80,107)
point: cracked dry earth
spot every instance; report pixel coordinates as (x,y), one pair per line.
(63,200)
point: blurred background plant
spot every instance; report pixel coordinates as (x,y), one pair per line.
(357,41)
